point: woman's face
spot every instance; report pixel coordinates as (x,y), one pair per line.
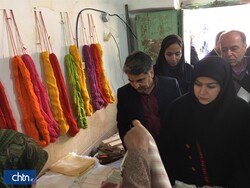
(173,54)
(206,89)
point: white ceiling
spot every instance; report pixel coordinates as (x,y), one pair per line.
(189,4)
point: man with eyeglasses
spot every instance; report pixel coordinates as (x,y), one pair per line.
(146,97)
(233,48)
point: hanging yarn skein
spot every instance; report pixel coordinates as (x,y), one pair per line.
(50,78)
(71,67)
(33,121)
(98,64)
(43,99)
(82,79)
(75,89)
(54,93)
(7,120)
(39,88)
(64,100)
(97,53)
(97,101)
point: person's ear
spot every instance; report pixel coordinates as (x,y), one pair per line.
(245,45)
(152,72)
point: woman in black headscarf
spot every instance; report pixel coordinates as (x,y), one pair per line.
(171,62)
(207,133)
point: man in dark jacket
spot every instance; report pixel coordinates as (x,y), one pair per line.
(233,48)
(146,97)
(216,50)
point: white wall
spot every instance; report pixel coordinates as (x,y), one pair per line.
(102,123)
(150,4)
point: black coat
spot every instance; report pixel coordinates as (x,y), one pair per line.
(193,56)
(183,74)
(211,53)
(221,129)
(225,147)
(129,106)
(245,80)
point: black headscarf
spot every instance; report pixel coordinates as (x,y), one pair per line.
(162,64)
(218,69)
(181,71)
(209,134)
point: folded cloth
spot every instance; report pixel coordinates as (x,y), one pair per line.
(73,164)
